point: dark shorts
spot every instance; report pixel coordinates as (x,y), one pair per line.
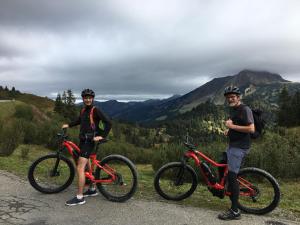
(235,158)
(86,149)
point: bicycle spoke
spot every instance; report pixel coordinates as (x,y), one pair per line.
(124,179)
(47,178)
(259,192)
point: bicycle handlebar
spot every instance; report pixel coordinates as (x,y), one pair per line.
(187,142)
(64,135)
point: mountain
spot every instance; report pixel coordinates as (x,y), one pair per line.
(248,81)
(255,85)
(134,111)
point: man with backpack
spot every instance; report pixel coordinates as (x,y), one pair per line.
(89,120)
(240,125)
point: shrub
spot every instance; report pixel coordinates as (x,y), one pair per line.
(24,151)
(11,137)
(24,112)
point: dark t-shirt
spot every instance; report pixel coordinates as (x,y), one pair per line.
(242,116)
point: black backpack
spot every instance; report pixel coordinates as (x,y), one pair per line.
(259,123)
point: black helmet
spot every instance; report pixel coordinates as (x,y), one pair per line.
(232,90)
(87,92)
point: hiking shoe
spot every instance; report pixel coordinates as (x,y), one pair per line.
(90,192)
(75,201)
(230,215)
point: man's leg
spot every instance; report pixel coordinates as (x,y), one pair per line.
(234,160)
(234,189)
(221,170)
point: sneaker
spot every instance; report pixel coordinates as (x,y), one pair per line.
(75,201)
(90,192)
(230,215)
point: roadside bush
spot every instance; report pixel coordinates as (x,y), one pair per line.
(135,154)
(29,130)
(277,154)
(167,153)
(10,137)
(24,151)
(24,112)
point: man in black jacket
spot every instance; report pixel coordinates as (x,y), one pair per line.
(240,125)
(90,132)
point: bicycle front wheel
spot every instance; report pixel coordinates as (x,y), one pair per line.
(51,174)
(259,191)
(174,181)
(124,185)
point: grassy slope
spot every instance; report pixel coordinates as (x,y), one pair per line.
(7,109)
(43,103)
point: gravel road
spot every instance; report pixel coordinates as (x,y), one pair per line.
(21,204)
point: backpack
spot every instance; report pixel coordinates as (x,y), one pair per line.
(259,123)
(91,116)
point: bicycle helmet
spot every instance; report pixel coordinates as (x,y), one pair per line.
(232,90)
(87,92)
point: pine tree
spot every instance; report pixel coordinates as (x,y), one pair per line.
(70,98)
(65,105)
(284,103)
(13,92)
(295,109)
(70,104)
(58,104)
(64,98)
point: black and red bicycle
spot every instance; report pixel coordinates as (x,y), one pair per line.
(115,175)
(259,190)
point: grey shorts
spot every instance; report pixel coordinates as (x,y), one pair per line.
(235,158)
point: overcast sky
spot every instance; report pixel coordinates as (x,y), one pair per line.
(136,50)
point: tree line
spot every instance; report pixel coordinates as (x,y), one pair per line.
(289,109)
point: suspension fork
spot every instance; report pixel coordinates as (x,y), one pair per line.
(180,173)
(54,171)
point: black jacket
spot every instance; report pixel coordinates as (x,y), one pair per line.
(85,124)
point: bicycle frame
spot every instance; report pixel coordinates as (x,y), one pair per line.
(198,157)
(70,146)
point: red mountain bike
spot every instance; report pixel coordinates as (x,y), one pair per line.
(115,175)
(259,190)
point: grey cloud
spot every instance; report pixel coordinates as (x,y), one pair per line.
(133,48)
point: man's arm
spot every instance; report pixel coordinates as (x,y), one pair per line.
(244,129)
(250,128)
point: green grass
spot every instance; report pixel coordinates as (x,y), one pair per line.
(289,207)
(18,164)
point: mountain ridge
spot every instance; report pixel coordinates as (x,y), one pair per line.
(249,81)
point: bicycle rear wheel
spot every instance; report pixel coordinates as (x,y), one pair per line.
(265,194)
(125,184)
(51,174)
(174,181)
